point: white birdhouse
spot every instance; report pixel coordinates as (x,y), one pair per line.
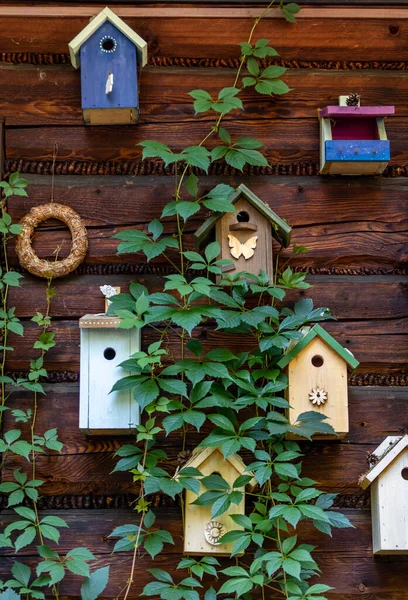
(201,532)
(388,481)
(103,348)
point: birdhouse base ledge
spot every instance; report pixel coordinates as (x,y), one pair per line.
(110,116)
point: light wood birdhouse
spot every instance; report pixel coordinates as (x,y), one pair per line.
(109,53)
(245,236)
(317,379)
(388,481)
(103,348)
(201,532)
(353,140)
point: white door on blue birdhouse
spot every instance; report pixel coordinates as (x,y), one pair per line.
(102,350)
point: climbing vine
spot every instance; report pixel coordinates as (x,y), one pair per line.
(23,489)
(235,397)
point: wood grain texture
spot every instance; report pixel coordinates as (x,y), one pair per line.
(378,345)
(285,141)
(352,245)
(378,580)
(345,559)
(51,95)
(91,528)
(340,466)
(334,224)
(348,223)
(372,413)
(200,32)
(304,201)
(384,296)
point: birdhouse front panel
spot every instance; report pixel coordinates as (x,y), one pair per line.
(389,501)
(354,140)
(201,532)
(317,380)
(245,237)
(109,84)
(103,348)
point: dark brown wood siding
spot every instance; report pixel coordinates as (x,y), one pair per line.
(355,229)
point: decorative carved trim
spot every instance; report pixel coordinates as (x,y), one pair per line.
(380,379)
(351,271)
(355,380)
(161,270)
(159,500)
(152,167)
(44,58)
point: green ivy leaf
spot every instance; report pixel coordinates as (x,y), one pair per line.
(78,567)
(25,538)
(95,584)
(21,573)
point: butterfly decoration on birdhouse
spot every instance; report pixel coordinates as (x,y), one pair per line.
(245,249)
(246,234)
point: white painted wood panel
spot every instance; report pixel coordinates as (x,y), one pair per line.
(390,515)
(100,411)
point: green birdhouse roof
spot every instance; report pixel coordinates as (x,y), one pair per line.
(281,231)
(318,331)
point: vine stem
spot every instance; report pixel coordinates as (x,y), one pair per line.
(5,331)
(141,495)
(215,128)
(32,430)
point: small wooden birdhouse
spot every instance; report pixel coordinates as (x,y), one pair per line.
(245,236)
(103,348)
(317,378)
(388,481)
(353,140)
(201,532)
(109,53)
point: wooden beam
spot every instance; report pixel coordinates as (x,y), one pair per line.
(51,95)
(372,412)
(385,295)
(200,12)
(285,141)
(199,32)
(378,345)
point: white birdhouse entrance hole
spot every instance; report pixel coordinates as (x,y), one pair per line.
(108,44)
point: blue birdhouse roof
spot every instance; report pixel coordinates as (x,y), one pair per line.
(107,15)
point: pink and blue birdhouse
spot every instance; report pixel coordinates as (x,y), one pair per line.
(353,139)
(109,54)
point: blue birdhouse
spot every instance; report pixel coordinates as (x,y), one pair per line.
(109,53)
(353,140)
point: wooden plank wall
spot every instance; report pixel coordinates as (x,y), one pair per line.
(355,229)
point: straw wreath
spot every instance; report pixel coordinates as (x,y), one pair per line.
(44,268)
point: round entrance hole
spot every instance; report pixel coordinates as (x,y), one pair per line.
(404,473)
(109,353)
(243,217)
(108,44)
(317,360)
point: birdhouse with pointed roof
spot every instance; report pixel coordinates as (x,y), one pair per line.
(201,532)
(109,54)
(317,378)
(103,347)
(388,481)
(353,140)
(245,236)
